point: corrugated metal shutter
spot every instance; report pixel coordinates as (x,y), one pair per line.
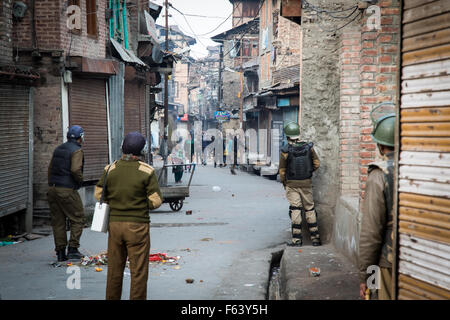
(134,116)
(424,166)
(14,148)
(88,109)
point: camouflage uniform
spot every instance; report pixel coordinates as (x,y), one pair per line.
(300,195)
(375,247)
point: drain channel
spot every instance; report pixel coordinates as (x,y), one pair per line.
(273,288)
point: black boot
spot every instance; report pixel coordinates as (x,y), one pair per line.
(61,255)
(316,242)
(73,253)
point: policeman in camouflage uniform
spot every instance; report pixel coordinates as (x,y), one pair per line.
(298,161)
(65,176)
(375,244)
(131,190)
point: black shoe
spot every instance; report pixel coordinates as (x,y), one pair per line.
(295,244)
(61,255)
(73,253)
(316,242)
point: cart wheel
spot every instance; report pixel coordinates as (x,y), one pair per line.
(176,205)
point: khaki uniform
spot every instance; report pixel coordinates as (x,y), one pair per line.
(66,203)
(131,191)
(375,244)
(300,196)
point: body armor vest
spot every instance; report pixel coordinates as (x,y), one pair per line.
(60,174)
(387,166)
(299,161)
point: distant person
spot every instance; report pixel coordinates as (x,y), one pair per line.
(131,191)
(65,177)
(298,161)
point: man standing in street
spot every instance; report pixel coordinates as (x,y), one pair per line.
(131,190)
(375,244)
(297,162)
(65,176)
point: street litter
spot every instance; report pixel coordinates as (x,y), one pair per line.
(98,269)
(315,272)
(7,243)
(216,188)
(188,212)
(206,239)
(248,285)
(189,280)
(163,258)
(55,264)
(100,259)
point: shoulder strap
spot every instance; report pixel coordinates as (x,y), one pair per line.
(104,184)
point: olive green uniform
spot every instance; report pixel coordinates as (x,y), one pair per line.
(131,191)
(300,196)
(375,244)
(66,203)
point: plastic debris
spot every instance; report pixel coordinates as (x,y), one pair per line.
(100,259)
(69,264)
(7,243)
(163,258)
(216,188)
(98,269)
(315,272)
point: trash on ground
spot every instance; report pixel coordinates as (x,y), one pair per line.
(248,285)
(163,258)
(98,269)
(100,259)
(55,264)
(69,264)
(300,250)
(189,280)
(206,239)
(315,272)
(7,243)
(216,188)
(188,212)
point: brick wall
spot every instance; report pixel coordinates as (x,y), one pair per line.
(369,60)
(6,52)
(84,44)
(349,130)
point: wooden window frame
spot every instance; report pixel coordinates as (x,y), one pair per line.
(91,19)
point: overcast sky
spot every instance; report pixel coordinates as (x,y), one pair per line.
(196,27)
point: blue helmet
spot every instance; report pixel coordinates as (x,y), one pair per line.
(134,143)
(75,132)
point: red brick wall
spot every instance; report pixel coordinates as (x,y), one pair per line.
(369,60)
(52,32)
(6,31)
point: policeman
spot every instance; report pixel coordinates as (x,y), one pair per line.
(375,244)
(297,162)
(131,190)
(65,176)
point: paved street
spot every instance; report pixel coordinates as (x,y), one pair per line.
(225,246)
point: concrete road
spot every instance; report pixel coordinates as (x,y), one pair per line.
(225,246)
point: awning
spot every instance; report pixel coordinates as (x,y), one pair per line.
(126,55)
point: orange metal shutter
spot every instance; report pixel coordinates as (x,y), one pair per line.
(88,109)
(424,165)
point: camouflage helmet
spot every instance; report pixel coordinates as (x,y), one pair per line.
(292,130)
(384,130)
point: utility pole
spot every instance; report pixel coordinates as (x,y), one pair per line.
(219,90)
(166,89)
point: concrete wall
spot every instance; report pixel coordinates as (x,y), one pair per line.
(319,116)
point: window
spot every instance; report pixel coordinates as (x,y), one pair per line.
(91,17)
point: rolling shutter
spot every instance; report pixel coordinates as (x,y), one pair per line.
(424,166)
(134,116)
(14,148)
(88,110)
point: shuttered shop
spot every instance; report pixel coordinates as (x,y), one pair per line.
(424,166)
(88,109)
(134,115)
(14,148)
